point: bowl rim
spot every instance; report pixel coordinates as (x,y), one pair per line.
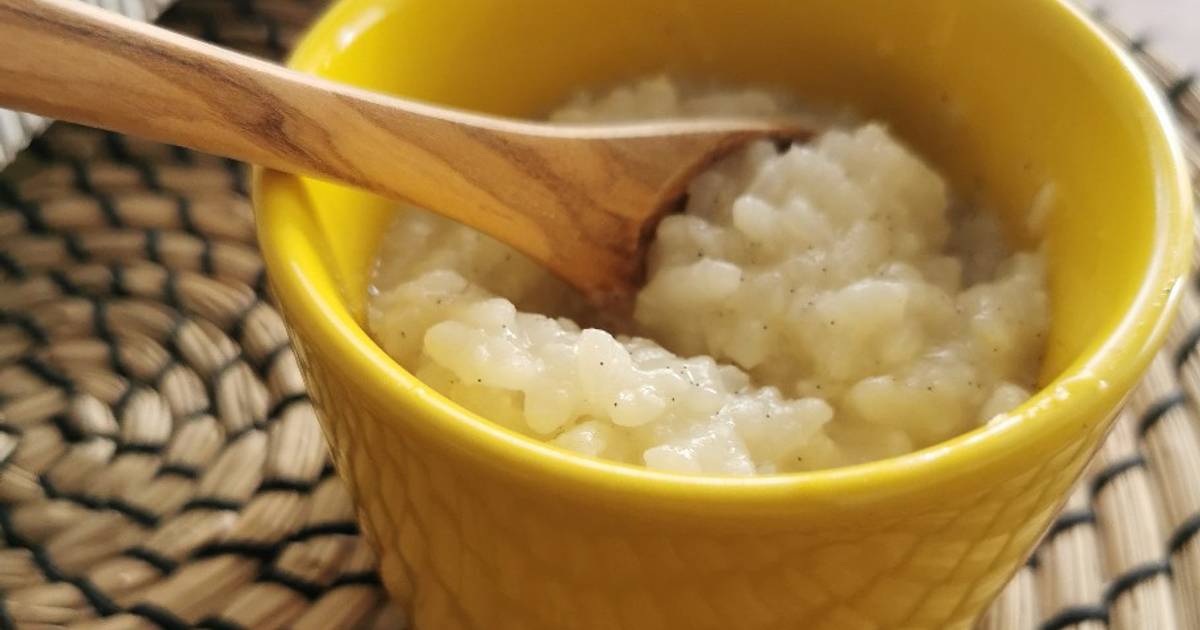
(1110,369)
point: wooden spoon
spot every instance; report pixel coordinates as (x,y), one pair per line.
(581,200)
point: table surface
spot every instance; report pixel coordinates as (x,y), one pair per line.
(1171,27)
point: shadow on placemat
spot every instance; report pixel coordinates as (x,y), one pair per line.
(160,466)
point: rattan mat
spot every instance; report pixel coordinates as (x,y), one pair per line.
(160,465)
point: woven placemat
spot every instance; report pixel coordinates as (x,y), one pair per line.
(160,465)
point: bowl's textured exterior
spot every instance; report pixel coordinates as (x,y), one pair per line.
(1022,103)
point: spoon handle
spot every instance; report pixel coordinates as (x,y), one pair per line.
(71,61)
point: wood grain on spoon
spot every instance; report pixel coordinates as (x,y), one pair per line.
(582,201)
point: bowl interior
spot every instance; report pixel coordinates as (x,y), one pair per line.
(1019,103)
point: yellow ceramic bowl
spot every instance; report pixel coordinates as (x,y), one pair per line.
(481,528)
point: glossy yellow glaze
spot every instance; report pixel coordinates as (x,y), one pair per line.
(481,528)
